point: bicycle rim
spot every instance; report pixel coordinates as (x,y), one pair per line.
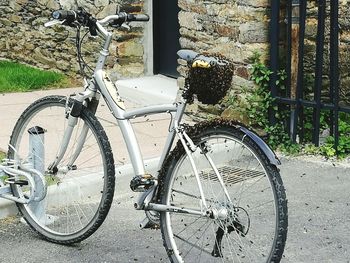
(79,194)
(246,225)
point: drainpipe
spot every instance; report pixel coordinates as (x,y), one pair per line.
(294,62)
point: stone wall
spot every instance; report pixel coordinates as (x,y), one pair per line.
(24,37)
(234,28)
(238,28)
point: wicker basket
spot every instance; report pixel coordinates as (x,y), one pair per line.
(210,85)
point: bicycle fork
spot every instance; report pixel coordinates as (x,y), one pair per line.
(72,122)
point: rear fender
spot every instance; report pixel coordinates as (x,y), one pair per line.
(263,146)
(231,124)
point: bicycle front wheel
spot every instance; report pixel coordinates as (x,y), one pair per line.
(244,198)
(80,189)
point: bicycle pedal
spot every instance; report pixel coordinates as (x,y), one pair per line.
(148,224)
(142,183)
(17,182)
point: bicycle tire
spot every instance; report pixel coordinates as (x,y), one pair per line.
(247,174)
(79,196)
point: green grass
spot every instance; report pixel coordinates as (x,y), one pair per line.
(15,77)
(2,155)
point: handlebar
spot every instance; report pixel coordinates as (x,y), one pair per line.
(81,18)
(68,17)
(138,17)
(64,15)
(86,19)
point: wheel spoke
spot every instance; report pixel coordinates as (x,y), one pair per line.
(74,206)
(238,184)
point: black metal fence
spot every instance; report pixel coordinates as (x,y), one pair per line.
(313,77)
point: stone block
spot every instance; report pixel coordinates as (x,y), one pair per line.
(53,5)
(181,83)
(43,59)
(253,32)
(345,37)
(88,6)
(2,46)
(183,70)
(107,10)
(243,72)
(21,2)
(190,20)
(254,3)
(235,114)
(101,3)
(223,11)
(15,18)
(230,31)
(311,28)
(129,70)
(186,43)
(238,83)
(182,62)
(190,6)
(42,2)
(130,48)
(196,35)
(131,8)
(15,6)
(63,65)
(68,4)
(5,22)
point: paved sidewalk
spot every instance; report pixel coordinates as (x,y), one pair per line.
(150,130)
(319,225)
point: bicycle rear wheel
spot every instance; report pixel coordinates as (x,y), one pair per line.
(248,222)
(79,194)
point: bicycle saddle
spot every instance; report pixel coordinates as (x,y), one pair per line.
(188,55)
(198,60)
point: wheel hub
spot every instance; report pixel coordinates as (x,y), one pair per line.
(220,213)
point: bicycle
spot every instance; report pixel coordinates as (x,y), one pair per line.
(218,195)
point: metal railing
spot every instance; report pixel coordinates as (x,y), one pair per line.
(293,99)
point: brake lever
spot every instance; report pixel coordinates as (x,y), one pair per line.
(126,26)
(54,22)
(93,30)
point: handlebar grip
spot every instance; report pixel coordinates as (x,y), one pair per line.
(70,16)
(138,17)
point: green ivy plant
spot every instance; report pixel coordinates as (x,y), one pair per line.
(343,148)
(260,102)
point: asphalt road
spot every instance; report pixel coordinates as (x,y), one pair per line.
(319,225)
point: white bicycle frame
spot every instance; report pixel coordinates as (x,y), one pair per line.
(101,84)
(109,91)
